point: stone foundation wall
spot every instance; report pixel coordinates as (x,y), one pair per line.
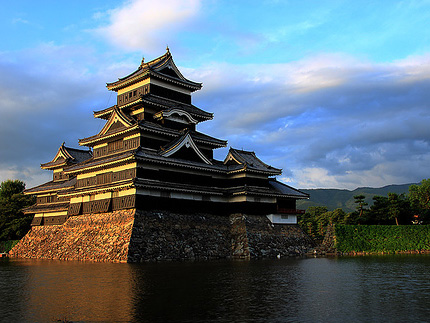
(239,237)
(163,235)
(97,237)
(139,236)
(267,240)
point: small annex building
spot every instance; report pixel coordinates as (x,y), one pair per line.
(150,156)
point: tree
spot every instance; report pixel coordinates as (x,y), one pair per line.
(419,195)
(419,198)
(394,208)
(378,213)
(359,199)
(13,223)
(311,221)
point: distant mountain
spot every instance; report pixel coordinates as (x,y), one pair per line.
(344,199)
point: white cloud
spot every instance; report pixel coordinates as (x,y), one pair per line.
(332,120)
(146,24)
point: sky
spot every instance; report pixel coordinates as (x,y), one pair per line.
(336,93)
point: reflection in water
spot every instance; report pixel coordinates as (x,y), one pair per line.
(384,288)
(213,290)
(78,291)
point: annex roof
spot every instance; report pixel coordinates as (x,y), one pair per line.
(287,190)
(62,206)
(51,186)
(162,67)
(250,161)
(66,156)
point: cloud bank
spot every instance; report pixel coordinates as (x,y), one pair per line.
(329,119)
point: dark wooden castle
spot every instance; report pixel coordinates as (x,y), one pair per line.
(149,155)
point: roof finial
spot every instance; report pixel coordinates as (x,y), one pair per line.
(62,145)
(167,49)
(143,61)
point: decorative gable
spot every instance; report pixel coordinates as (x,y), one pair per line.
(59,160)
(176,115)
(116,122)
(185,142)
(231,160)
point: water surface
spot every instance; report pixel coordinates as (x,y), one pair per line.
(361,289)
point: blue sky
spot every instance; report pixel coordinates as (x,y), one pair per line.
(336,93)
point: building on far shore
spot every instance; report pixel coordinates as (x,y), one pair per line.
(149,155)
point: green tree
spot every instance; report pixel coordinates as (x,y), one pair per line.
(419,195)
(338,216)
(385,210)
(378,213)
(13,223)
(419,198)
(359,199)
(311,221)
(395,206)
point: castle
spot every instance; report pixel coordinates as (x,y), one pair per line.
(150,156)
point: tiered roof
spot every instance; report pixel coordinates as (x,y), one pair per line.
(162,67)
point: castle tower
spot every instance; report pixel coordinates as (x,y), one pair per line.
(149,155)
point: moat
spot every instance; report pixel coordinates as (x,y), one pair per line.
(353,289)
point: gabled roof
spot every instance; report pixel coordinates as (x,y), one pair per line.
(185,141)
(66,156)
(250,161)
(162,67)
(118,122)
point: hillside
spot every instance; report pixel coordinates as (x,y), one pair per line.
(344,199)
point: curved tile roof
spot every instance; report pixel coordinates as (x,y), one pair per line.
(163,67)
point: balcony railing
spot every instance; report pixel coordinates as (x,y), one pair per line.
(290,211)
